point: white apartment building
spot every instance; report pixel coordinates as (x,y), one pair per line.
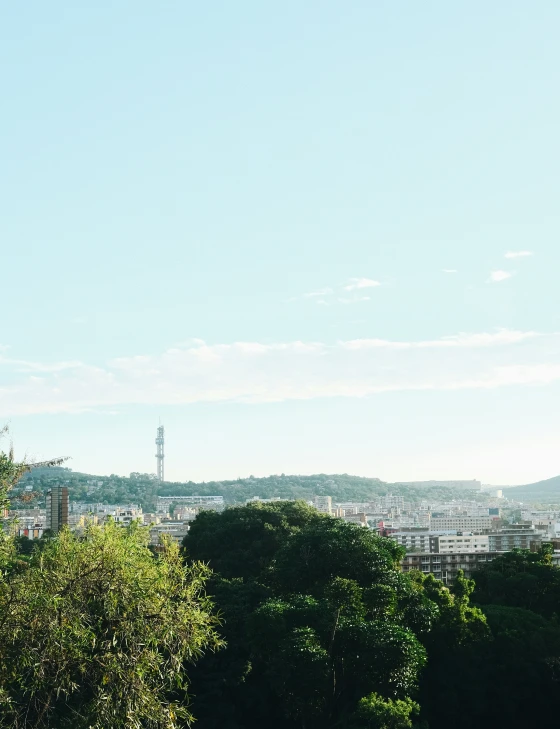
(102,510)
(272,500)
(461,523)
(459,543)
(445,566)
(323,504)
(125,517)
(199,502)
(184,513)
(419,540)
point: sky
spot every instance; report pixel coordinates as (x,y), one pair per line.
(309,237)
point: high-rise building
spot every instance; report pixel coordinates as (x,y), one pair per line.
(57,508)
(323,504)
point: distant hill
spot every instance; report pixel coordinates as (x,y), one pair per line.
(143,489)
(546,492)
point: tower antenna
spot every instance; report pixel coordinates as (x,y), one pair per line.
(159,453)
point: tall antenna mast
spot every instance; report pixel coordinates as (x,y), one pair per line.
(159,454)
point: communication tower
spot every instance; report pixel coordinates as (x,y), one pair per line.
(159,453)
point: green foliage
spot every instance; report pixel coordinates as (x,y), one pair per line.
(521,579)
(507,666)
(331,548)
(96,633)
(143,488)
(375,712)
(499,682)
(243,540)
(323,629)
(10,472)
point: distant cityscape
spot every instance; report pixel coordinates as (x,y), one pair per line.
(439,536)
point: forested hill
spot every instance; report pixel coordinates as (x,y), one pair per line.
(144,488)
(547,491)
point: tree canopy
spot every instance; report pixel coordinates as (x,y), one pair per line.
(95,630)
(521,579)
(323,629)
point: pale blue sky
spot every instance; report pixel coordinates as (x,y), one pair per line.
(179,179)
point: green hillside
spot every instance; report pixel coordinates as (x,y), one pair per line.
(144,488)
(547,492)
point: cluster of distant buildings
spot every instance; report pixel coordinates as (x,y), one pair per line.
(439,538)
(442,538)
(172,516)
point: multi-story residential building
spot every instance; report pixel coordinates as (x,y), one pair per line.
(464,508)
(78,521)
(101,510)
(423,540)
(125,517)
(359,518)
(413,539)
(35,514)
(471,485)
(460,523)
(151,518)
(458,543)
(323,504)
(57,508)
(357,505)
(272,500)
(184,513)
(391,502)
(445,566)
(511,538)
(422,518)
(176,530)
(31,532)
(215,503)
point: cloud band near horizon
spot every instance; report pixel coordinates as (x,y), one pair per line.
(254,372)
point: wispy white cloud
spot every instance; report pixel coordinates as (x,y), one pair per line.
(320,292)
(464,340)
(22,365)
(352,299)
(257,372)
(322,297)
(518,254)
(450,270)
(361,283)
(497,276)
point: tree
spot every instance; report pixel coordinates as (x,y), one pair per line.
(499,682)
(374,712)
(11,470)
(96,631)
(324,631)
(521,579)
(243,540)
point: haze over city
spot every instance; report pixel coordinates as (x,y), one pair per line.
(317,237)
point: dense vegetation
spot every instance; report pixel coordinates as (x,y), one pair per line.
(143,489)
(324,631)
(96,631)
(513,678)
(322,628)
(318,628)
